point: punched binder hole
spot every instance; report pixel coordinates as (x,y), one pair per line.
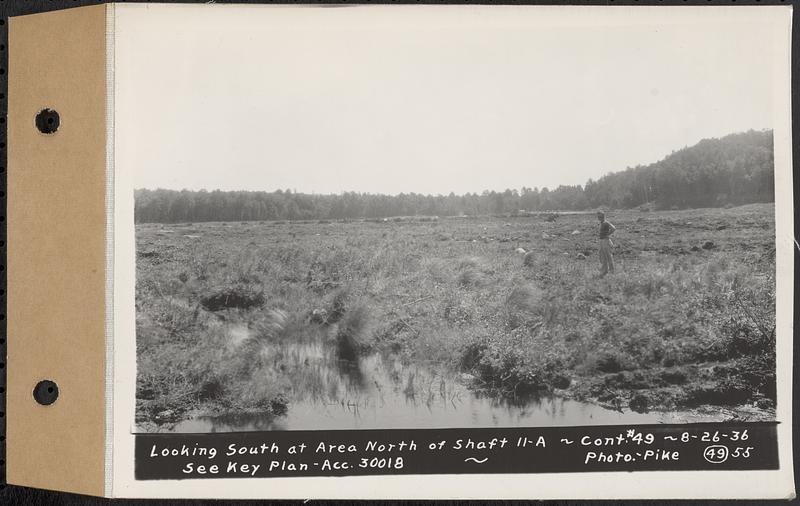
(48,121)
(45,392)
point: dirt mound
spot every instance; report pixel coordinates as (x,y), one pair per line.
(233,298)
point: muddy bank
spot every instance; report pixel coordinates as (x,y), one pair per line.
(707,392)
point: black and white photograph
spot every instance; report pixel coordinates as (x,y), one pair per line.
(454,221)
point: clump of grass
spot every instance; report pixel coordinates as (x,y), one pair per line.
(472,272)
(469,278)
(269,331)
(338,305)
(177,377)
(175,316)
(513,373)
(650,285)
(471,354)
(522,304)
(437,269)
(469,263)
(246,374)
(353,332)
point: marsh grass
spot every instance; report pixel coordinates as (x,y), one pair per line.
(353,332)
(304,295)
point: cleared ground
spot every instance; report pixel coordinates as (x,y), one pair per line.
(687,322)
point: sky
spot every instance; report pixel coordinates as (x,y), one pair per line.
(390,99)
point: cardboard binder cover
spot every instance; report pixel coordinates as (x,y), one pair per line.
(57,249)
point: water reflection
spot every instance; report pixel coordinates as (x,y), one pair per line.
(379,391)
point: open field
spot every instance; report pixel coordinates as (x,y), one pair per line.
(279,319)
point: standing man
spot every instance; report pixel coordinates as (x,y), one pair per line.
(606,258)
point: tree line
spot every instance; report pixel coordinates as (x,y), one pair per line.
(736,169)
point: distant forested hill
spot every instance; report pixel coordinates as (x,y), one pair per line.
(736,169)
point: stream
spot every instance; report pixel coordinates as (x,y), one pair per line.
(380,392)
